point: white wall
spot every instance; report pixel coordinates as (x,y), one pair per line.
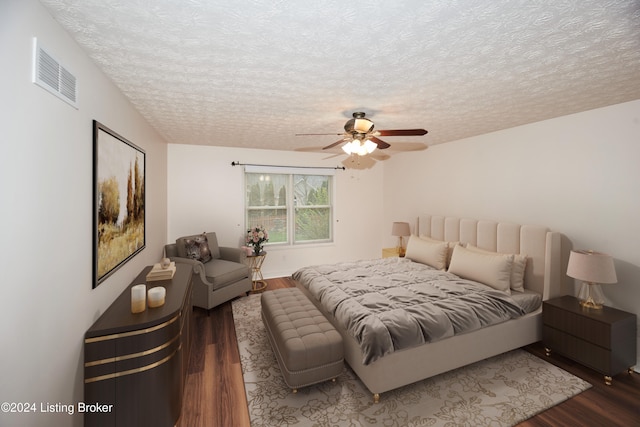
(578,174)
(206,193)
(46,297)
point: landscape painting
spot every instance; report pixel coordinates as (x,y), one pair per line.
(119,201)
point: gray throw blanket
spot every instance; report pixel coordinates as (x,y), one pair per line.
(393,303)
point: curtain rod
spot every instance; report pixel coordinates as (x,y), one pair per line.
(278,166)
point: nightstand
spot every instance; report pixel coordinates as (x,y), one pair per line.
(389,252)
(604,340)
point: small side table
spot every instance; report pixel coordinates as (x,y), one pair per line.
(390,252)
(255,263)
(604,340)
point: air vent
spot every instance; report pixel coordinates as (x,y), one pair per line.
(50,75)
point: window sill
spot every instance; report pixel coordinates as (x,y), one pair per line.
(285,246)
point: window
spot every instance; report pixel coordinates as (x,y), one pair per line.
(294,208)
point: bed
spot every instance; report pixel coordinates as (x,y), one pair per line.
(541,275)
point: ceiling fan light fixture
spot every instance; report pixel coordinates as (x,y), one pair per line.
(361,148)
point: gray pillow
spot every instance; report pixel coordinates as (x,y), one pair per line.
(198,248)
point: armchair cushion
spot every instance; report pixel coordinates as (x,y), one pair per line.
(221,273)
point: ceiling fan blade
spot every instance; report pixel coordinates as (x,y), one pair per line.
(334,144)
(402,132)
(381,144)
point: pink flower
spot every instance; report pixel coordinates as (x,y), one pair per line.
(256,236)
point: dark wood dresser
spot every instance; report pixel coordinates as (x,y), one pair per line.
(136,364)
(604,340)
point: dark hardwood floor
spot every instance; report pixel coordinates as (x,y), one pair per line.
(215,395)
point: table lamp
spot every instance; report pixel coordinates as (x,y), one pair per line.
(592,268)
(400,229)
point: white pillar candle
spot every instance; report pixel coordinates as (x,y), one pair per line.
(138,298)
(155,296)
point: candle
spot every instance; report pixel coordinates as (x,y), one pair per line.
(138,298)
(156,296)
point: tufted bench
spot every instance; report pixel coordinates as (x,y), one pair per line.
(308,348)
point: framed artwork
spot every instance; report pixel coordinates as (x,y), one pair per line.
(118,201)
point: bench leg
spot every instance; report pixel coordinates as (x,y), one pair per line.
(376,398)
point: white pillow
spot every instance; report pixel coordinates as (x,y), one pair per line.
(450,246)
(491,270)
(427,252)
(517,268)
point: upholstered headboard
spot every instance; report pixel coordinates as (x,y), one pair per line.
(542,247)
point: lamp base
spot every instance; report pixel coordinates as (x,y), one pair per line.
(591,296)
(590,303)
(400,248)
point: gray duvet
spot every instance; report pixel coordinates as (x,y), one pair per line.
(393,303)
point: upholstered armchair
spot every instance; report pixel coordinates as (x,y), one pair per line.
(219,273)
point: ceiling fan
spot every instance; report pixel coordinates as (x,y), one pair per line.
(360,139)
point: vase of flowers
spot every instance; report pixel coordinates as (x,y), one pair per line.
(256,238)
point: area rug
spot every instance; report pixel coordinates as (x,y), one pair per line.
(500,391)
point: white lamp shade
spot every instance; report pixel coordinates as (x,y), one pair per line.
(361,148)
(370,146)
(348,147)
(592,267)
(400,229)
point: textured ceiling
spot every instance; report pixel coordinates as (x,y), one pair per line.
(253,73)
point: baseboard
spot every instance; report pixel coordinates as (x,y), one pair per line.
(277,274)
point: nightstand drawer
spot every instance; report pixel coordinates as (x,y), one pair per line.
(579,326)
(593,356)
